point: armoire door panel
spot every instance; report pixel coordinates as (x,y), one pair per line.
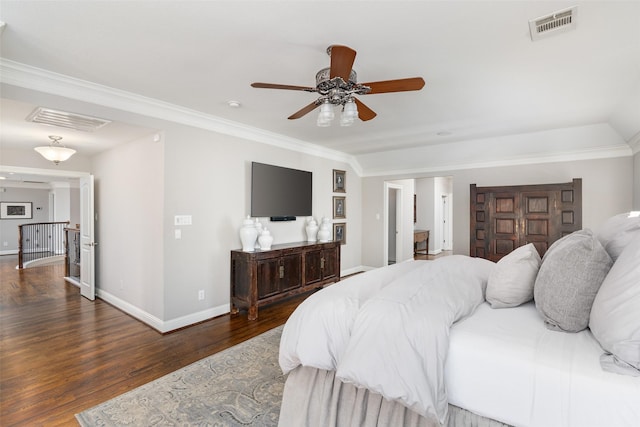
(504,218)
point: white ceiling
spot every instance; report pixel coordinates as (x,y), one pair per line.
(484,76)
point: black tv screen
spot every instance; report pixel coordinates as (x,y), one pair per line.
(280,193)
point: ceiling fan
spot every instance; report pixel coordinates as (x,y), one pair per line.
(338,84)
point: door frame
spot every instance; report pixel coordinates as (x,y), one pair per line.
(399,225)
(60,173)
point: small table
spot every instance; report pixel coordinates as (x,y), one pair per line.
(420,236)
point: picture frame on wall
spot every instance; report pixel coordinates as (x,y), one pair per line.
(339,207)
(16,210)
(340,232)
(339,181)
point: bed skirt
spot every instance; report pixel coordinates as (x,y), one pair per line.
(314,397)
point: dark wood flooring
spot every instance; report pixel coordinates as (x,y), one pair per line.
(61,353)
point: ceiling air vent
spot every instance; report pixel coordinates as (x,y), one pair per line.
(557,22)
(47,116)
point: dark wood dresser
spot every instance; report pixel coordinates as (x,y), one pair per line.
(263,277)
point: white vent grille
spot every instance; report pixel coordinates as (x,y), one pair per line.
(557,22)
(67,120)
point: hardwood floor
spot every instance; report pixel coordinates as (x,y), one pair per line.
(61,353)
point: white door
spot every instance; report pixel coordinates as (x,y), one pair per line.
(87,242)
(392,239)
(399,224)
(446,222)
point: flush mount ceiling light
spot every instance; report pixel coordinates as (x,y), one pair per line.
(55,152)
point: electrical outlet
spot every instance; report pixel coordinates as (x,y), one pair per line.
(5,244)
(201,295)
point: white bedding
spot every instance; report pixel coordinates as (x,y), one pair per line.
(505,365)
(392,339)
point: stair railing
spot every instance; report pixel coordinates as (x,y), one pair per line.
(40,240)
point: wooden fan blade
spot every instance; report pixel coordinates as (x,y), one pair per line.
(277,86)
(342,58)
(309,108)
(365,113)
(401,85)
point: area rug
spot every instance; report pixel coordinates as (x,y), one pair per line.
(239,386)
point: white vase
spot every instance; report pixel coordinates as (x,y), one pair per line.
(248,235)
(258,226)
(324,233)
(311,230)
(265,239)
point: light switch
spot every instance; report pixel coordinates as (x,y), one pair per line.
(178,233)
(182,220)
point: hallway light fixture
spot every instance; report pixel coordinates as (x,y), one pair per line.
(55,152)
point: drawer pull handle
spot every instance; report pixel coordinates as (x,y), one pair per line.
(282,271)
(322,263)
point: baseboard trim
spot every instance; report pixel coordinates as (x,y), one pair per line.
(200,316)
(162,326)
(165,326)
(353,270)
(9,252)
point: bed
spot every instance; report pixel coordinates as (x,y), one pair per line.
(461,341)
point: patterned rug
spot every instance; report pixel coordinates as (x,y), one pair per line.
(240,386)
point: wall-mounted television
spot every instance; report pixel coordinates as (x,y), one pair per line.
(280,193)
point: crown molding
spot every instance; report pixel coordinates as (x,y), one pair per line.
(621,150)
(28,77)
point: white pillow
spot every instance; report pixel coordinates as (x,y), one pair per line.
(615,314)
(511,281)
(618,231)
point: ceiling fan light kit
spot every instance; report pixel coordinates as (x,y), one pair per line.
(54,152)
(338,84)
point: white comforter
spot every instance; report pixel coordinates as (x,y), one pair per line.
(388,329)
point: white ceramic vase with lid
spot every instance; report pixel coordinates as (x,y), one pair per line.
(311,229)
(265,239)
(248,235)
(259,227)
(324,233)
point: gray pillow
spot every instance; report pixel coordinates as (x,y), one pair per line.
(511,281)
(571,273)
(618,231)
(615,315)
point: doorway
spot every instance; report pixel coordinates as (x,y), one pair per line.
(87,258)
(447,230)
(393,227)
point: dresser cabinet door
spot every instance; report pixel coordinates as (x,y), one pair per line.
(268,280)
(330,267)
(290,272)
(312,267)
(320,265)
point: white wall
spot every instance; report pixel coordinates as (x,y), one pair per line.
(636,182)
(9,227)
(129,205)
(606,190)
(207,175)
(142,185)
(429,192)
(425,196)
